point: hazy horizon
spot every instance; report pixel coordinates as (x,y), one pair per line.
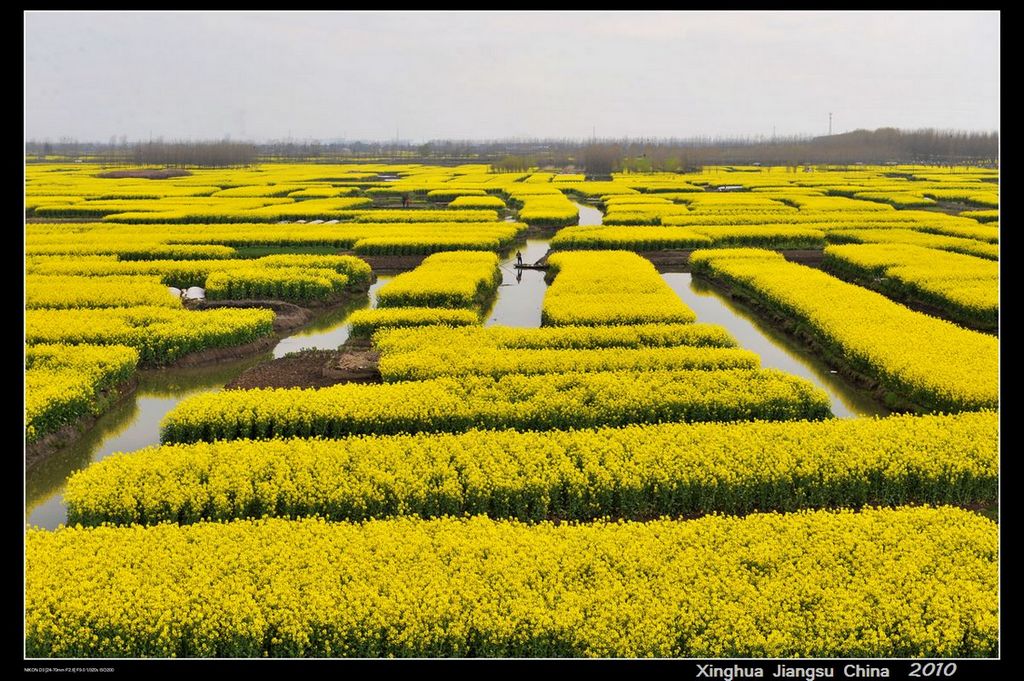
(420,76)
(711,140)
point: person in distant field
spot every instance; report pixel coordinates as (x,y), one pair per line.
(405,200)
(519,259)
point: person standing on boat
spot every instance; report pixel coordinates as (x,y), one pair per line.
(519,259)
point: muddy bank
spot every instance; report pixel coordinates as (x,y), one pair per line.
(353,363)
(669,260)
(952,207)
(539,232)
(389,262)
(45,446)
(145,173)
(810,256)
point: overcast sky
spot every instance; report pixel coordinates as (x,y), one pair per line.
(433,75)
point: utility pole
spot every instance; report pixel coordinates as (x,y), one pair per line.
(829,123)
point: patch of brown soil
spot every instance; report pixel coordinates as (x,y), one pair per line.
(355,364)
(145,173)
(989,509)
(812,257)
(669,260)
(391,262)
(312,369)
(539,232)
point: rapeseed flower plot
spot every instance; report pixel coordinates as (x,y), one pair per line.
(915,581)
(638,471)
(62,292)
(159,334)
(609,287)
(452,279)
(926,361)
(939,242)
(65,382)
(284,283)
(963,287)
(565,400)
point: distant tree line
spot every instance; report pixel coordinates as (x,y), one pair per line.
(885,145)
(178,154)
(596,157)
(219,154)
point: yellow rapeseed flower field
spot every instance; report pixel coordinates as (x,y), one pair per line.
(620,482)
(903,582)
(609,287)
(565,400)
(639,471)
(454,279)
(930,362)
(963,287)
(160,334)
(65,382)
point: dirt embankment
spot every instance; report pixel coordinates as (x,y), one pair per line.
(355,362)
(387,263)
(952,207)
(145,173)
(540,232)
(214,355)
(809,256)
